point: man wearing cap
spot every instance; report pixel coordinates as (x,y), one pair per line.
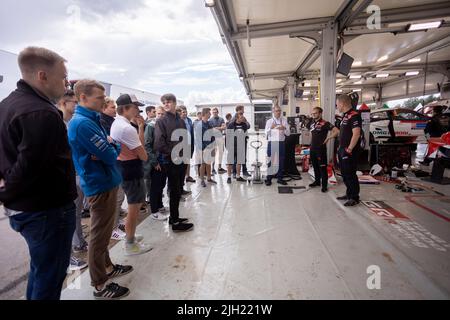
(164,145)
(130,161)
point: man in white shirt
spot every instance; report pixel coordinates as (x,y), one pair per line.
(130,162)
(277,129)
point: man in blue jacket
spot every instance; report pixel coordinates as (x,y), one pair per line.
(95,156)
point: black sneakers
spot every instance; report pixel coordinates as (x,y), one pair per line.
(221,171)
(240,179)
(282,182)
(268,183)
(85,214)
(185,192)
(119,270)
(182,226)
(179,220)
(246,174)
(351,203)
(228,180)
(314,184)
(324,190)
(190,179)
(342,198)
(112,291)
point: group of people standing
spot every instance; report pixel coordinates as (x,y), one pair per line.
(102,150)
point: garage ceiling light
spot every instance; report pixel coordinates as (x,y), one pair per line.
(307,84)
(382,75)
(383,58)
(356,90)
(306,92)
(358,82)
(339,91)
(357,64)
(424,26)
(412,73)
(355,76)
(305,99)
(414,60)
(338,80)
(210,3)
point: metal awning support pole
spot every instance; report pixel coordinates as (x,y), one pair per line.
(291,89)
(280,98)
(328,75)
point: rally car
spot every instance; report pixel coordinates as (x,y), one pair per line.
(397,125)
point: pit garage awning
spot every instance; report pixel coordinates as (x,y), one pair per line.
(286,45)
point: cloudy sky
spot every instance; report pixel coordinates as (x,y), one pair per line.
(153,45)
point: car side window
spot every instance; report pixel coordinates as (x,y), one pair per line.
(407,115)
(378,116)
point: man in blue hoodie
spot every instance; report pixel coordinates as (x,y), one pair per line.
(95,155)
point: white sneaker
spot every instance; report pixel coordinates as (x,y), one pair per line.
(159,216)
(118,235)
(77,264)
(138,237)
(163,210)
(136,248)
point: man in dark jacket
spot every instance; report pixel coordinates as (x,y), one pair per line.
(182,111)
(108,115)
(163,145)
(37,177)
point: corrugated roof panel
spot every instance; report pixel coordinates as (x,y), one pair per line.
(269,11)
(392,4)
(276,54)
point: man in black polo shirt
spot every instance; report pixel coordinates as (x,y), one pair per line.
(349,148)
(319,131)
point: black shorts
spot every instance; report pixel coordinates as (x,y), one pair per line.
(134,190)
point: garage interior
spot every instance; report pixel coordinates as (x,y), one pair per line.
(253,242)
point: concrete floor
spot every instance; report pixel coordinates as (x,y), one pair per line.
(250,242)
(14,261)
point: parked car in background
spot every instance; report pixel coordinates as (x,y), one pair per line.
(399,125)
(428,109)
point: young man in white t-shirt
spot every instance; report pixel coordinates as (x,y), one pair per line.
(130,161)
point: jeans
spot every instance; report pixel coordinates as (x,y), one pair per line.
(279,155)
(119,200)
(148,186)
(49,238)
(319,162)
(78,238)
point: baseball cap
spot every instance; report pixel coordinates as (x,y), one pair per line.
(126,99)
